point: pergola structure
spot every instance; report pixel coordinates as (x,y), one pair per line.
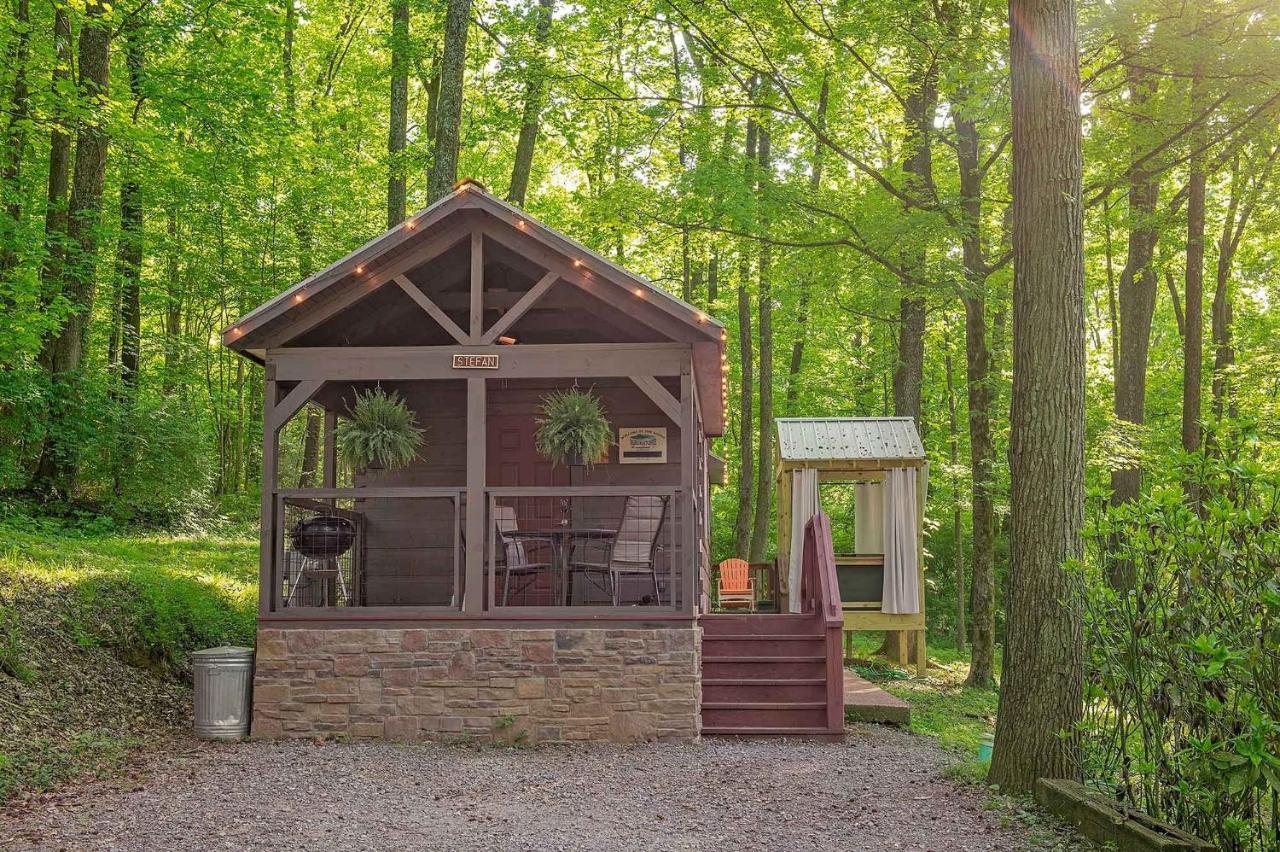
(863,451)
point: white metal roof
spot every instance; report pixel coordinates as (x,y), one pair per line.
(848,438)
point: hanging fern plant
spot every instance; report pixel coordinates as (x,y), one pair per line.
(573,428)
(380,432)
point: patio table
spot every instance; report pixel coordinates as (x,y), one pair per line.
(561,540)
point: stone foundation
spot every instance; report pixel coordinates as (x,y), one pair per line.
(491,684)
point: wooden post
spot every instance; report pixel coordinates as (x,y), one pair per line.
(922,485)
(473,587)
(267,538)
(477,286)
(783,492)
(688,466)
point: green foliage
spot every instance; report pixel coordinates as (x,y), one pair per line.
(381,431)
(573,428)
(96,632)
(1183,685)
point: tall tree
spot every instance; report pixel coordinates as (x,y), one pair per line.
(398,125)
(453,63)
(1193,281)
(1138,281)
(58,465)
(15,140)
(130,248)
(1042,684)
(982,584)
(807,285)
(764,473)
(744,518)
(59,180)
(535,83)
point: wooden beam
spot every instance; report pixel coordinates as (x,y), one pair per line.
(660,396)
(433,310)
(477,286)
(429,249)
(367,255)
(295,399)
(404,363)
(473,588)
(520,308)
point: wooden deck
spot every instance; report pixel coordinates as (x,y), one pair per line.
(866,702)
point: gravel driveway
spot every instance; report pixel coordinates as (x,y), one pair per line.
(881,789)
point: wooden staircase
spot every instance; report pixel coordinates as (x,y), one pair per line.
(778,675)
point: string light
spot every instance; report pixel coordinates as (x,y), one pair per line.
(520,224)
(410,224)
(237,332)
(359,270)
(297,297)
(577,261)
(639,291)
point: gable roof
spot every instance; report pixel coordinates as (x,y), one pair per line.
(382,252)
(849,439)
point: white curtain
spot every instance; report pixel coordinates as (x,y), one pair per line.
(901,564)
(868,518)
(804,505)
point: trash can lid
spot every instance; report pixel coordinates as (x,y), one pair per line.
(225,652)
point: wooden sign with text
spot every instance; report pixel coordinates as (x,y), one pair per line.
(475,362)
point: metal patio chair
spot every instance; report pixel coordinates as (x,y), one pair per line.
(515,553)
(634,549)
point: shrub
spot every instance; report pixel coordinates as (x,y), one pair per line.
(1183,666)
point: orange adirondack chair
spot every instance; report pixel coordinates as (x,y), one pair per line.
(737,586)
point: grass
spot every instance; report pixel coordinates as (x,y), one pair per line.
(96,631)
(942,707)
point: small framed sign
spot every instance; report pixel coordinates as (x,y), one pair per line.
(463,361)
(642,445)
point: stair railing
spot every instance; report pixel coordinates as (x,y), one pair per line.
(821,597)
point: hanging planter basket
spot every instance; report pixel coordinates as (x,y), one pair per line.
(573,428)
(381,432)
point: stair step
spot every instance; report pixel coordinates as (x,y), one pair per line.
(763,658)
(767,731)
(766,715)
(764,705)
(764,681)
(772,637)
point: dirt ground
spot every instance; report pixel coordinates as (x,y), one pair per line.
(879,790)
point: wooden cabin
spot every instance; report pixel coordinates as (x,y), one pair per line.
(880,463)
(482,582)
(483,590)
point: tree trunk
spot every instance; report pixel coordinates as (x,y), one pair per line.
(1193,314)
(453,62)
(398,125)
(55,213)
(742,525)
(713,278)
(1137,300)
(58,465)
(15,140)
(982,583)
(806,285)
(130,249)
(172,305)
(1224,354)
(534,86)
(311,447)
(957,514)
(744,521)
(764,452)
(1042,682)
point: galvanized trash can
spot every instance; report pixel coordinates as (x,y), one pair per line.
(223,681)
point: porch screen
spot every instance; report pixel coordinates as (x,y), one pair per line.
(901,565)
(804,505)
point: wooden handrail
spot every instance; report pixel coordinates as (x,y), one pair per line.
(821,593)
